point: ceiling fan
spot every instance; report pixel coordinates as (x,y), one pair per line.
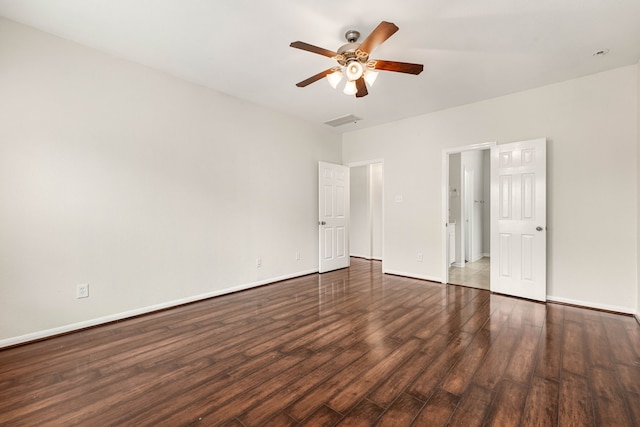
(353,59)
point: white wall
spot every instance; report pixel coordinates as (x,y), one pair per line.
(590,124)
(151,189)
(455,204)
(472,161)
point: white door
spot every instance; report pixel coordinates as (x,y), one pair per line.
(518,219)
(333,223)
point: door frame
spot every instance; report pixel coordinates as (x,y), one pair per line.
(367,163)
(445,197)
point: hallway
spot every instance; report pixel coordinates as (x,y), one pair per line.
(473,274)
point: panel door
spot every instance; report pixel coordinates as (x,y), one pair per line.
(518,219)
(333,221)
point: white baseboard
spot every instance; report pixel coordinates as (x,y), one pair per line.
(590,304)
(143,310)
(374,258)
(149,309)
(458,264)
(413,276)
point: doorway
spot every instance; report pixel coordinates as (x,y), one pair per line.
(366,221)
(466,213)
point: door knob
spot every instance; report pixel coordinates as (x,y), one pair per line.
(322,223)
(538,228)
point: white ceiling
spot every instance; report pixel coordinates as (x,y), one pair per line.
(471,49)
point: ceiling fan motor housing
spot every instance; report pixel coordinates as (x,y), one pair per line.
(351,51)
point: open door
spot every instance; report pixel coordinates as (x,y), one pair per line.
(518,219)
(333,222)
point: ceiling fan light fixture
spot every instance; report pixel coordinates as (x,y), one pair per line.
(350,88)
(370,76)
(334,78)
(354,70)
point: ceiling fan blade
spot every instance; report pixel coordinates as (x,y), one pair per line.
(399,67)
(313,49)
(362,88)
(382,32)
(315,78)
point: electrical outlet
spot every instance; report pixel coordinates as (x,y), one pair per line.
(297,256)
(419,256)
(82,291)
(258,262)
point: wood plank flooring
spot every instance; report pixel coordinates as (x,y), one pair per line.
(350,347)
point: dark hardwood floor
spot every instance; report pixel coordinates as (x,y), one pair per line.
(350,347)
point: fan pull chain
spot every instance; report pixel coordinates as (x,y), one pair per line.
(355,115)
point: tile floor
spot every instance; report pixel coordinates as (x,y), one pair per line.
(473,274)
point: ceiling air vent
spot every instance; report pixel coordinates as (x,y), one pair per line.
(343,120)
